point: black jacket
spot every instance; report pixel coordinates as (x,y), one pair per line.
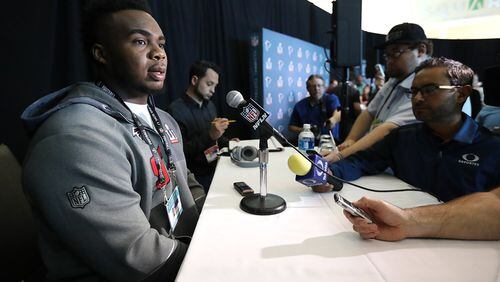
(194,122)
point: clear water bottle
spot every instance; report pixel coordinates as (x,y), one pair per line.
(306,138)
(327,144)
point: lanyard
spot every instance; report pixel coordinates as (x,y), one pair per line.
(390,93)
(386,99)
(161,131)
(162,178)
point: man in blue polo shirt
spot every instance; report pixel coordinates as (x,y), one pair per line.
(319,110)
(448,155)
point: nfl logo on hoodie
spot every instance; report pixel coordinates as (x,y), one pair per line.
(78,197)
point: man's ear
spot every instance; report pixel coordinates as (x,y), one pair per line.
(463,93)
(98,53)
(194,80)
(422,49)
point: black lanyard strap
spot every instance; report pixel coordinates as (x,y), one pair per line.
(162,178)
(390,94)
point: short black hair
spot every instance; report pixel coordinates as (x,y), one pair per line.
(94,11)
(458,73)
(313,76)
(199,68)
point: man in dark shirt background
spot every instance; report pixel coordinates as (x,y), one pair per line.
(351,100)
(202,131)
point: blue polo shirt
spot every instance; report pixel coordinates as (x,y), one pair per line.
(468,163)
(303,112)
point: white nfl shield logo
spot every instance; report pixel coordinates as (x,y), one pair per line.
(250,113)
(78,197)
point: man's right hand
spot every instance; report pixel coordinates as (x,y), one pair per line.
(332,156)
(217,127)
(345,144)
(390,222)
(322,188)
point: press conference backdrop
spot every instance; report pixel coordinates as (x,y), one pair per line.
(279,68)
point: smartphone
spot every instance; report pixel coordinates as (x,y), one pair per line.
(243,188)
(348,206)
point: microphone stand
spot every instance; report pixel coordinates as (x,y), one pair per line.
(263,203)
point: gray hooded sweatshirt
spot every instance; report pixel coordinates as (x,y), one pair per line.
(90,182)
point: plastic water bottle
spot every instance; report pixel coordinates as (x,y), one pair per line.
(306,138)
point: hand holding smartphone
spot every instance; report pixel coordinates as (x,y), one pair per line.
(348,206)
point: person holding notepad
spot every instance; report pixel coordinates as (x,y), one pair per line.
(202,129)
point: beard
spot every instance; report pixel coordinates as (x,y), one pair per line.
(149,91)
(394,72)
(440,114)
(200,95)
(131,82)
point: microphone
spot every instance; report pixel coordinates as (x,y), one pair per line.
(254,114)
(310,175)
(262,203)
(235,99)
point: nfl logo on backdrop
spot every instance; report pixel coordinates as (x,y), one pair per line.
(250,113)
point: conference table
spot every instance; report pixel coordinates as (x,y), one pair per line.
(312,240)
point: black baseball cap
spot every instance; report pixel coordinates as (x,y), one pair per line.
(403,33)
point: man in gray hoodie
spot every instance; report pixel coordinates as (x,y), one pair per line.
(105,171)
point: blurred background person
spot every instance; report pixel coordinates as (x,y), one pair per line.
(351,106)
(321,111)
(489,116)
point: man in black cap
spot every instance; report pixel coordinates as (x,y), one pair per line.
(405,47)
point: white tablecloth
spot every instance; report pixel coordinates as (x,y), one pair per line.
(312,241)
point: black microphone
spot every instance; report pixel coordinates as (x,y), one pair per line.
(254,114)
(262,203)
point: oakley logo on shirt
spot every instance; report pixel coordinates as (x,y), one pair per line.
(469,159)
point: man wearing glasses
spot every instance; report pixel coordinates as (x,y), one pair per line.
(405,47)
(320,110)
(448,155)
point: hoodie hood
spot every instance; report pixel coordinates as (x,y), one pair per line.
(79,93)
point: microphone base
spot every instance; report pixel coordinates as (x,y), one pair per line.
(256,204)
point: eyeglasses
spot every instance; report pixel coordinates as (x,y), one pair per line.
(315,86)
(394,54)
(427,90)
